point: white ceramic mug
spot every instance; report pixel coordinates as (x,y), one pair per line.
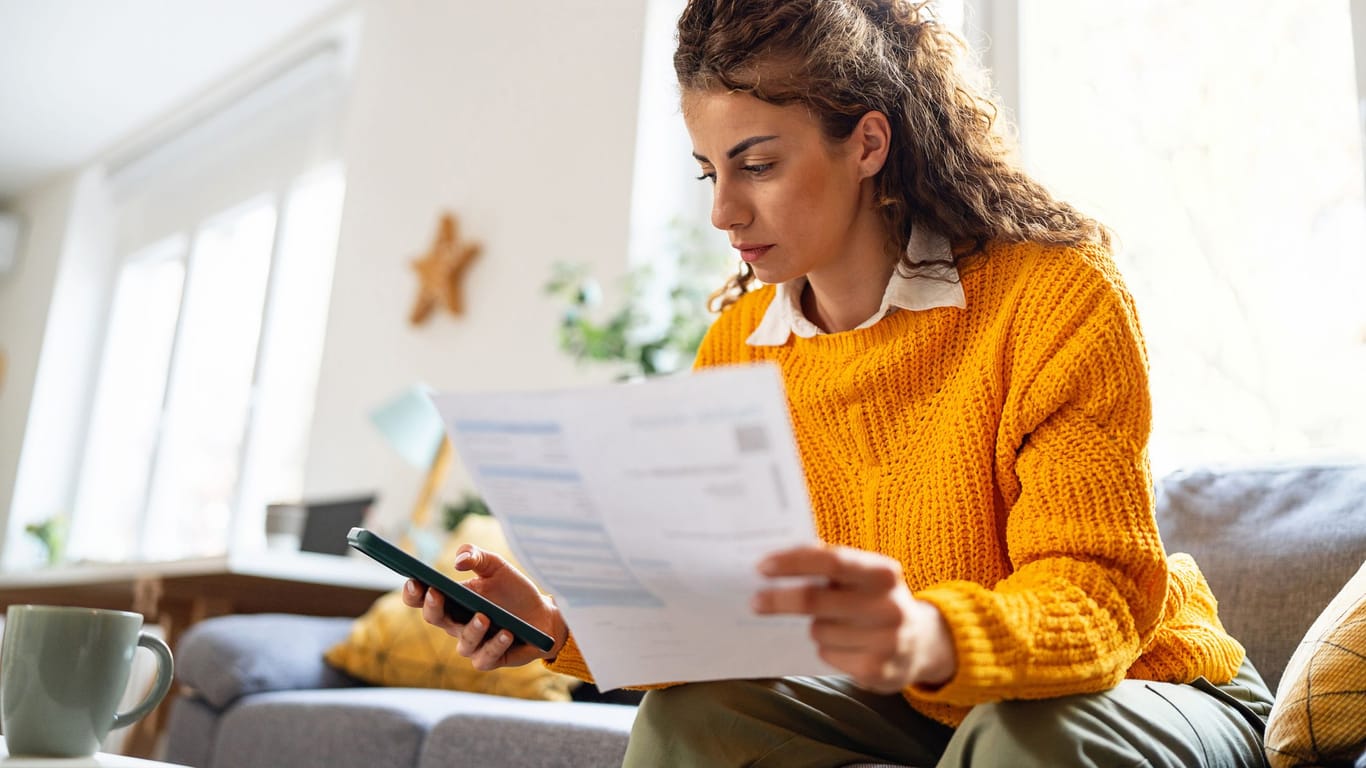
(62,673)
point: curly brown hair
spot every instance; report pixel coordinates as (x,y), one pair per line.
(949,164)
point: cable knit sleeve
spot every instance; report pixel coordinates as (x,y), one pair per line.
(570,661)
(1089,572)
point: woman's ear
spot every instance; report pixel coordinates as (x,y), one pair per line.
(872,140)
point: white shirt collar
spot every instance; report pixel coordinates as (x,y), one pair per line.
(934,283)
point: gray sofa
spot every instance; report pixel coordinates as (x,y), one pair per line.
(1275,542)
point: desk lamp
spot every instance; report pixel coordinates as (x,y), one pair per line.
(412,425)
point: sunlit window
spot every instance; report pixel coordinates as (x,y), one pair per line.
(291,348)
(205,393)
(1222,146)
(128,398)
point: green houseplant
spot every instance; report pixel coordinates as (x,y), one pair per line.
(51,535)
(639,337)
(454,513)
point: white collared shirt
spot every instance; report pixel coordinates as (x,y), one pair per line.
(932,285)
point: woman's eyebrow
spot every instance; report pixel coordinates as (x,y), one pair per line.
(738,148)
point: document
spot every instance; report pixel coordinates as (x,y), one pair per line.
(644,508)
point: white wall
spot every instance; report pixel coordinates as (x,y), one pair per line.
(520,118)
(77,241)
(25,295)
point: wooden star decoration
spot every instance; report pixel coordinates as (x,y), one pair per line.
(440,272)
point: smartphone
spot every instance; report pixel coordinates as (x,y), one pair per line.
(461,601)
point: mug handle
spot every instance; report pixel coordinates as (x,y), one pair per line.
(165,674)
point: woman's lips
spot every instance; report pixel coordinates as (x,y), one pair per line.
(752,253)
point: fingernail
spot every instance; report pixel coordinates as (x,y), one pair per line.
(477,622)
(766,566)
(462,558)
(505,638)
(756,604)
(431,598)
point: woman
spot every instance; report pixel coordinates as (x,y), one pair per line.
(968,386)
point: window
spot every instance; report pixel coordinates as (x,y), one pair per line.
(224,238)
(205,390)
(1222,146)
(128,398)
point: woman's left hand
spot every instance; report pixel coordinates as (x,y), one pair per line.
(863,618)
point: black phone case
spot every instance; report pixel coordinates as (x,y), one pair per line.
(461,601)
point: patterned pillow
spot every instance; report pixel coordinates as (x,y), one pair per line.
(391,644)
(1320,713)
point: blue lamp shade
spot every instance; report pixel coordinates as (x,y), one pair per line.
(412,425)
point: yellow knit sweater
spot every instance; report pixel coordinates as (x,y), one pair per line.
(999,453)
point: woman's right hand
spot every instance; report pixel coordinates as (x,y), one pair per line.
(500,582)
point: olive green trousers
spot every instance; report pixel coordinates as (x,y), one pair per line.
(828,721)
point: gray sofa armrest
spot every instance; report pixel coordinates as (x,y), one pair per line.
(1275,541)
(227,657)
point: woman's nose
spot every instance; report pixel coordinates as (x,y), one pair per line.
(729,210)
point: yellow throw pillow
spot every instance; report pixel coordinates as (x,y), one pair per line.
(1319,717)
(391,644)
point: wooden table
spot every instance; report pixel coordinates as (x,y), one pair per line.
(176,594)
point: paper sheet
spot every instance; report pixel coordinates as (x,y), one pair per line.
(645,509)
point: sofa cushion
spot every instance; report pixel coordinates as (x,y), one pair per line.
(407,727)
(337,728)
(1320,712)
(227,657)
(1275,543)
(505,732)
(190,731)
